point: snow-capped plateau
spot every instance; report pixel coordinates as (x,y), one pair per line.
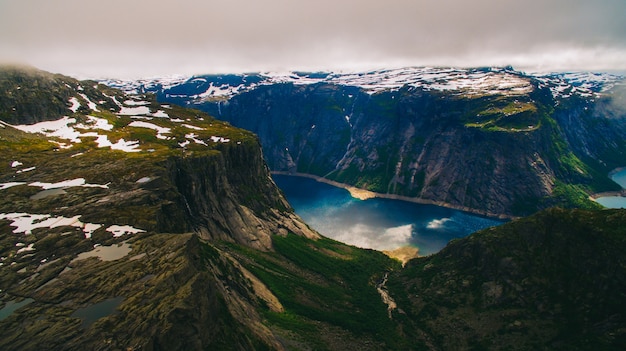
(459,81)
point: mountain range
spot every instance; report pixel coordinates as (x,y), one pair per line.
(490,140)
(128,222)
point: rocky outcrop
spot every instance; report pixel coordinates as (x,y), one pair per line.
(228,196)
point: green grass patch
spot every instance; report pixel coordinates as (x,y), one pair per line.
(572,196)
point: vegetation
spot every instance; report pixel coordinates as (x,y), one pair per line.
(325,281)
(546,281)
(504,114)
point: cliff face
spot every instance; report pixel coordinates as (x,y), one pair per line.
(228,196)
(423,145)
(509,147)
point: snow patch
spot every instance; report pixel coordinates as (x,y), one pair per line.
(26,249)
(75,104)
(160,114)
(144,180)
(25,170)
(160,130)
(193,137)
(68,184)
(130,111)
(90,103)
(25,223)
(119,230)
(217,139)
(136,103)
(9,185)
(189,126)
(123,145)
(58,128)
(95,123)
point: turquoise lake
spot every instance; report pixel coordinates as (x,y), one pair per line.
(377,223)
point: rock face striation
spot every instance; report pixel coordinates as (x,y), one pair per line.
(495,141)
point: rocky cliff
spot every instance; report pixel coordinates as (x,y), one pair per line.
(494,141)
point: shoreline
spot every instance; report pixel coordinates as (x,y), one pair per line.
(621,193)
(363,194)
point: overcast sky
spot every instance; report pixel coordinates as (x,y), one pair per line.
(140,38)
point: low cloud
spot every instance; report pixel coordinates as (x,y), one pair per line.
(156,37)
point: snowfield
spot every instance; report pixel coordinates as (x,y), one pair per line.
(459,81)
(25,223)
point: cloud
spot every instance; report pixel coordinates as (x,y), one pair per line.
(369,237)
(156,37)
(437,223)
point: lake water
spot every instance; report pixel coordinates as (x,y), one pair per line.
(615,201)
(380,224)
(612,201)
(92,313)
(12,306)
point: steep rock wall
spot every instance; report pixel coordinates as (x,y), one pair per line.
(229,196)
(493,154)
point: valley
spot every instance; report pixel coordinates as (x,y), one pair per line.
(493,141)
(130,221)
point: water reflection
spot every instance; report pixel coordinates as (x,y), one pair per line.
(380,224)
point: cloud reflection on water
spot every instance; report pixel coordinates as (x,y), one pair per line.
(380,224)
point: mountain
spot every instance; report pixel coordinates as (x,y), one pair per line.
(489,140)
(109,197)
(553,281)
(126,224)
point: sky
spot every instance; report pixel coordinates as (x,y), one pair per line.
(149,38)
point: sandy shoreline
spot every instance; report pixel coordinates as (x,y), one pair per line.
(363,194)
(608,193)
